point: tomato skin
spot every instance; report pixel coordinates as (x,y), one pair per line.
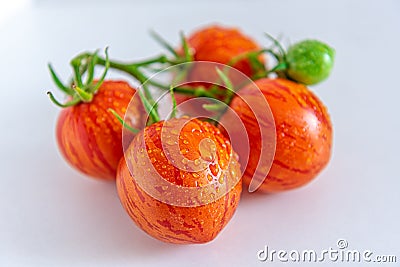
(221,44)
(303,134)
(310,61)
(89,137)
(217,44)
(171,223)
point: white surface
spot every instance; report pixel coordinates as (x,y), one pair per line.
(52,216)
(9,8)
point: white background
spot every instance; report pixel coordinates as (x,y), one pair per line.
(51,215)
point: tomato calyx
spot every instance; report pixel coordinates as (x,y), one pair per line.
(80,90)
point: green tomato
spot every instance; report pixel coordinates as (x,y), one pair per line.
(309,61)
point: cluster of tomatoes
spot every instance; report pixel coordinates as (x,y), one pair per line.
(158,163)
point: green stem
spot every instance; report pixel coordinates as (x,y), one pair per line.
(73,102)
(82,94)
(103,76)
(58,82)
(159,59)
(173,113)
(91,65)
(245,55)
(131,69)
(277,44)
(228,84)
(78,90)
(195,91)
(279,67)
(163,43)
(128,68)
(150,108)
(185,46)
(275,55)
(77,73)
(119,118)
(213,107)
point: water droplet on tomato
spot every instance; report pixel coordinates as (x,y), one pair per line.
(170,142)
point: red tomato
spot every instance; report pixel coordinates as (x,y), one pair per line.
(90,137)
(217,44)
(205,158)
(221,44)
(303,132)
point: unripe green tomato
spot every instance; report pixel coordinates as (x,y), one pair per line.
(309,62)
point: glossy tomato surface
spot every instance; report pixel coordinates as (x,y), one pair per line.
(206,160)
(221,45)
(303,134)
(90,137)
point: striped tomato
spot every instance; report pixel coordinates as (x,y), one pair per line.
(303,133)
(220,45)
(88,134)
(205,160)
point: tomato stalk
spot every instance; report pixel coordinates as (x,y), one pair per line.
(133,70)
(219,107)
(79,91)
(173,113)
(121,120)
(253,56)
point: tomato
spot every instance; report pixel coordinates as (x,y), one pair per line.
(303,134)
(196,157)
(221,45)
(90,137)
(309,62)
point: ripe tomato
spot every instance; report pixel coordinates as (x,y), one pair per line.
(90,137)
(221,45)
(196,157)
(303,132)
